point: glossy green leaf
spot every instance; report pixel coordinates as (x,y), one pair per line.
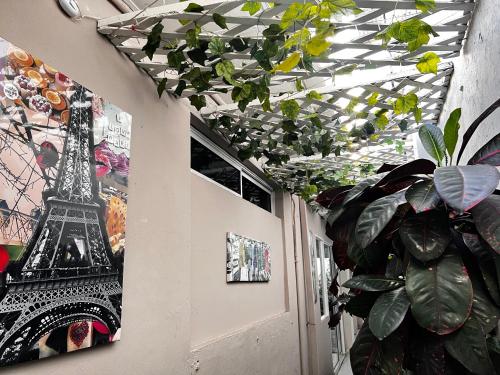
(433,141)
(161,87)
(451,131)
(252,7)
(388,312)
(483,308)
(440,293)
(426,235)
(486,216)
(468,346)
(365,352)
(487,261)
(489,153)
(290,108)
(463,187)
(423,196)
(219,20)
(376,216)
(428,63)
(373,283)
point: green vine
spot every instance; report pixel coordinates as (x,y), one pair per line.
(301,35)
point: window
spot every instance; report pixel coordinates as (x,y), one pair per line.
(213,163)
(210,164)
(255,194)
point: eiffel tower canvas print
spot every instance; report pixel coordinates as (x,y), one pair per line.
(64,161)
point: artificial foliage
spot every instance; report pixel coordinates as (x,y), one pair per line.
(300,35)
(423,243)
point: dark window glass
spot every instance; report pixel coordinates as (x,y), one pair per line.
(214,167)
(256,195)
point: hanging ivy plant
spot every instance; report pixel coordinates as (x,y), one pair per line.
(301,34)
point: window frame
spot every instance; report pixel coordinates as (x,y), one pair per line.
(244,171)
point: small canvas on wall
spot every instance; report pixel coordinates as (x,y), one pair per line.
(248,260)
(64,161)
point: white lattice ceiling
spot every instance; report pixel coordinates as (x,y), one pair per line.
(386,70)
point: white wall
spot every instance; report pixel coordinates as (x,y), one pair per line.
(476,80)
(156,303)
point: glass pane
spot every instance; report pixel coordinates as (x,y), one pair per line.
(314,273)
(211,165)
(320,269)
(256,195)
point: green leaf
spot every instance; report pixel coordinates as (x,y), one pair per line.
(486,216)
(219,20)
(388,312)
(318,44)
(346,69)
(426,235)
(405,103)
(288,64)
(413,31)
(376,216)
(161,86)
(154,40)
(217,46)
(451,131)
(373,99)
(181,86)
(425,5)
(351,105)
(239,44)
(197,55)
(440,293)
(417,112)
(225,69)
(298,38)
(298,84)
(462,187)
(308,191)
(422,196)
(290,108)
(433,141)
(313,94)
(194,8)
(468,346)
(192,37)
(373,283)
(428,63)
(291,15)
(175,59)
(252,7)
(198,101)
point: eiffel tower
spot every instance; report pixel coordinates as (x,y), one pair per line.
(67,273)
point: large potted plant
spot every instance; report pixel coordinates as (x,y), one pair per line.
(423,241)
